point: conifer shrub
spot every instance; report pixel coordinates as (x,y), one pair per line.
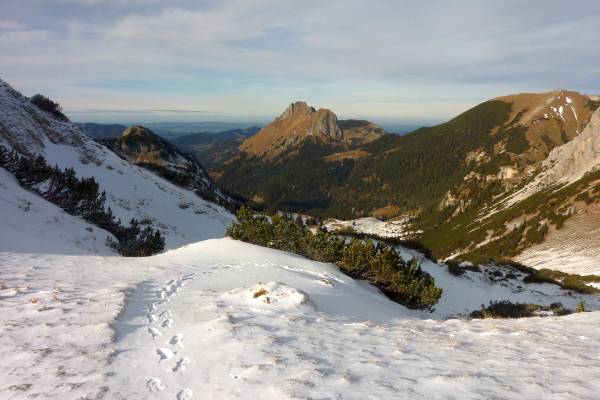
(454,267)
(48,105)
(507,309)
(403,282)
(81,197)
(574,282)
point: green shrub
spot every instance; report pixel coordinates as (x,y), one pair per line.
(454,268)
(403,282)
(507,309)
(48,105)
(81,197)
(574,282)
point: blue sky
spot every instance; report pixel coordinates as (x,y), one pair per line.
(245,60)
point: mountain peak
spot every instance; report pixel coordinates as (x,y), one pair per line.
(138,130)
(298,122)
(298,107)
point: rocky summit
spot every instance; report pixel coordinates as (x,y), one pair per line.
(300,122)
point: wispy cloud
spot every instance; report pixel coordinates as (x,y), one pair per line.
(251,57)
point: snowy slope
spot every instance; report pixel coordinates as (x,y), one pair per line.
(398,228)
(195,323)
(574,248)
(181,215)
(30,224)
(565,164)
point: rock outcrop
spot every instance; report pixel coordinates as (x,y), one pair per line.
(300,122)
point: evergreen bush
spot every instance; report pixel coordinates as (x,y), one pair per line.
(81,197)
(48,105)
(403,282)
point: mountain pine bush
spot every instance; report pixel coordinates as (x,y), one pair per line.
(403,282)
(48,105)
(81,197)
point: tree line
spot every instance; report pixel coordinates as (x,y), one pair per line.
(403,282)
(81,197)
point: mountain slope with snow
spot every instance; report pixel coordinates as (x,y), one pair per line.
(141,146)
(132,192)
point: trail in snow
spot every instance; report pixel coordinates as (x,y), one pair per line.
(222,320)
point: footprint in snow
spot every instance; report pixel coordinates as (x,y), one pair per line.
(155,385)
(151,318)
(154,332)
(164,354)
(167,323)
(151,307)
(185,394)
(177,340)
(166,314)
(181,365)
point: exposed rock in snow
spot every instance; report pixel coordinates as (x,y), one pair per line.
(271,296)
(569,162)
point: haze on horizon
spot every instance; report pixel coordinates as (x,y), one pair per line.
(245,60)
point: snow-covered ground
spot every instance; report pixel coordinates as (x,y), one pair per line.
(221,319)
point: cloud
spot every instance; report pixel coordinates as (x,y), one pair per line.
(254,56)
(16,33)
(23,36)
(10,24)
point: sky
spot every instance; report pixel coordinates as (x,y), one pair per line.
(390,61)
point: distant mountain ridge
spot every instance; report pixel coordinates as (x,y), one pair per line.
(141,146)
(102,131)
(214,149)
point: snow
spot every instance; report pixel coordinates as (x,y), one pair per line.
(370,225)
(573,248)
(464,294)
(560,111)
(133,192)
(196,323)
